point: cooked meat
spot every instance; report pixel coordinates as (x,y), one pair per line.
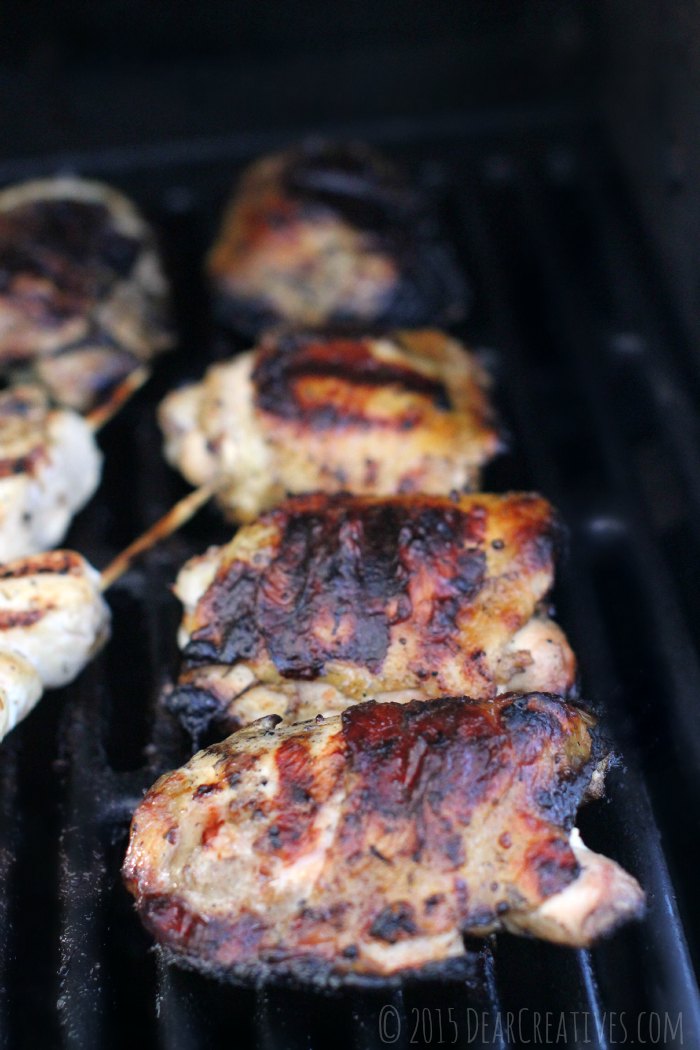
(82,296)
(328,233)
(53,620)
(49,468)
(328,600)
(370,842)
(405,412)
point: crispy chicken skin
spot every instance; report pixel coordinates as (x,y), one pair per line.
(368,843)
(49,468)
(326,601)
(82,296)
(304,411)
(325,234)
(53,619)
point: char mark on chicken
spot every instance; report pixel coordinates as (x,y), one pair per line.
(369,843)
(332,234)
(304,411)
(49,468)
(83,299)
(53,619)
(326,601)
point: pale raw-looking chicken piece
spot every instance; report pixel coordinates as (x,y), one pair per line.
(330,600)
(369,843)
(303,412)
(330,233)
(53,619)
(83,300)
(49,468)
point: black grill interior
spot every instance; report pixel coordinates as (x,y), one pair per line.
(600,394)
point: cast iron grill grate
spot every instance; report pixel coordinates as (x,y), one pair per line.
(600,394)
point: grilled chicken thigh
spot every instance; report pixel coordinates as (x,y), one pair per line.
(326,601)
(370,842)
(53,620)
(405,412)
(82,296)
(49,468)
(329,233)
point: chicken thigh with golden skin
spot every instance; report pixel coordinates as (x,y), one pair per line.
(303,412)
(368,843)
(329,600)
(83,300)
(331,233)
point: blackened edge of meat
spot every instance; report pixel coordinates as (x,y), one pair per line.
(304,972)
(433,291)
(369,193)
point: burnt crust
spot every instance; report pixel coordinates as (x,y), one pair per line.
(415,778)
(357,188)
(80,287)
(341,578)
(283,363)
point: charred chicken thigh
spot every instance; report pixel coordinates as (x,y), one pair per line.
(304,411)
(53,619)
(329,600)
(49,468)
(370,842)
(325,234)
(83,299)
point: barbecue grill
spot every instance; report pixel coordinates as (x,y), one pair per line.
(598,385)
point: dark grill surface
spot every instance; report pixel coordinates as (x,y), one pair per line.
(600,395)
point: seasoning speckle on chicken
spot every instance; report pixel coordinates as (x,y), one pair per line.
(53,619)
(83,299)
(368,843)
(328,600)
(325,234)
(49,468)
(401,412)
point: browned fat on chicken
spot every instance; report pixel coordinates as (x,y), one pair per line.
(331,233)
(369,843)
(327,601)
(83,299)
(407,411)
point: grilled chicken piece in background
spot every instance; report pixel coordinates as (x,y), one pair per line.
(83,299)
(49,468)
(327,233)
(330,600)
(370,842)
(404,412)
(53,619)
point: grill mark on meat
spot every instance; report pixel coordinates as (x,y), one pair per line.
(70,244)
(59,563)
(354,184)
(26,464)
(283,365)
(11,618)
(294,803)
(340,579)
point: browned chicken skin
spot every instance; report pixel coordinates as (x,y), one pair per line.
(82,297)
(327,233)
(304,412)
(326,601)
(369,842)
